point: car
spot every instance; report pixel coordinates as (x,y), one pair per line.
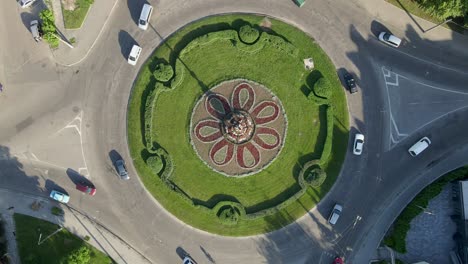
(122,169)
(389,39)
(60,197)
(335,214)
(134,55)
(188,260)
(419,146)
(338,260)
(86,187)
(26,3)
(36,30)
(145,16)
(358,144)
(350,82)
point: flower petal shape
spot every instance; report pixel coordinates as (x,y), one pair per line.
(210,137)
(261,107)
(266,131)
(253,151)
(218,146)
(213,110)
(236,97)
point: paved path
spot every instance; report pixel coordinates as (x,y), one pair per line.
(76,222)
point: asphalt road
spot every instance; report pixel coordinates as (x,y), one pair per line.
(59,121)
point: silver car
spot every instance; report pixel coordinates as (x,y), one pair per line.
(26,3)
(335,214)
(122,169)
(389,39)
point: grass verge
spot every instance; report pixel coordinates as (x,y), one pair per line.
(54,250)
(285,77)
(74,19)
(396,238)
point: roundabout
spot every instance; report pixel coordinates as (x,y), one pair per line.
(233,129)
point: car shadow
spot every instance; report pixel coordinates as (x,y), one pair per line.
(26,18)
(134,7)
(126,43)
(51,185)
(377,27)
(76,177)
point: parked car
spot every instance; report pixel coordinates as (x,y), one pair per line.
(122,169)
(36,30)
(145,16)
(419,146)
(358,144)
(134,55)
(338,260)
(60,197)
(389,39)
(350,82)
(26,3)
(188,260)
(86,187)
(335,214)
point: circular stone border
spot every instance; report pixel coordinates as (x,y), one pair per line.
(281,123)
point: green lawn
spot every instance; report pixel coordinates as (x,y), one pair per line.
(74,19)
(284,76)
(53,250)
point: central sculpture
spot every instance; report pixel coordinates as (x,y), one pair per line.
(238,126)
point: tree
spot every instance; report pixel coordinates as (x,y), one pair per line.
(443,9)
(48,27)
(80,256)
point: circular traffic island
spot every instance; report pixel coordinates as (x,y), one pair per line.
(238,138)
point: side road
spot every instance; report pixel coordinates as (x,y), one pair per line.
(76,222)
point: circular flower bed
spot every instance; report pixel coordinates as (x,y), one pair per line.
(238,127)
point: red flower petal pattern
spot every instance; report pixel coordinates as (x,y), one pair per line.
(236,100)
(266,119)
(211,137)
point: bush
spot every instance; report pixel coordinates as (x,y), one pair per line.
(80,256)
(86,238)
(155,163)
(48,26)
(163,72)
(229,215)
(57,211)
(322,88)
(248,34)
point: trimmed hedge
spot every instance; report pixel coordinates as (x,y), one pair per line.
(280,44)
(248,34)
(327,147)
(155,163)
(163,72)
(322,88)
(312,174)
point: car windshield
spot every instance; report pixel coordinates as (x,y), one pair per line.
(132,58)
(142,22)
(386,36)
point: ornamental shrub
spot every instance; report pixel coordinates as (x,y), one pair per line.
(322,88)
(248,34)
(327,147)
(155,163)
(315,176)
(229,214)
(163,72)
(80,256)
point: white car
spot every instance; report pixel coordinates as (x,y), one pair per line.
(60,197)
(26,3)
(358,144)
(134,55)
(335,214)
(419,146)
(389,39)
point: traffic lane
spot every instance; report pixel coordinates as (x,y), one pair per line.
(409,170)
(403,62)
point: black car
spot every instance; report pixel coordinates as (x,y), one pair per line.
(350,82)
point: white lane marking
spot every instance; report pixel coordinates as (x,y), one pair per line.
(432,86)
(78,119)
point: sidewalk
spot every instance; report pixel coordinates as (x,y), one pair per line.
(79,224)
(86,36)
